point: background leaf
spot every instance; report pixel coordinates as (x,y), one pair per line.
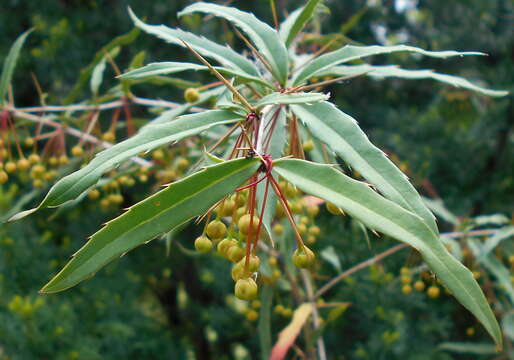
(296,21)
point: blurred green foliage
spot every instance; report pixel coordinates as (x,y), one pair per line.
(149,306)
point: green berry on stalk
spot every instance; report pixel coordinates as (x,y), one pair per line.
(235,253)
(216,229)
(203,244)
(224,245)
(303,257)
(191,95)
(244,224)
(246,289)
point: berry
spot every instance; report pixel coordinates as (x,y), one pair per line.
(235,253)
(297,206)
(227,207)
(287,312)
(77,150)
(313,210)
(158,154)
(224,245)
(10,167)
(63,159)
(302,229)
(308,145)
(252,315)
(23,164)
(333,209)
(3,177)
(303,257)
(406,289)
(272,261)
(278,229)
(406,279)
(53,161)
(244,224)
(404,271)
(419,285)
(182,163)
(203,244)
(109,137)
(314,230)
(433,292)
(37,183)
(246,289)
(93,194)
(34,158)
(216,229)
(29,142)
(470,331)
(191,95)
(256,304)
(311,239)
(279,309)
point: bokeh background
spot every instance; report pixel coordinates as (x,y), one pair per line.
(454,145)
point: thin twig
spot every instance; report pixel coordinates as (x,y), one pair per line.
(315,316)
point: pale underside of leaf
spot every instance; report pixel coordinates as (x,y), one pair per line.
(294,98)
(223,54)
(343,135)
(74,184)
(171,67)
(160,213)
(352,52)
(264,37)
(387,71)
(360,201)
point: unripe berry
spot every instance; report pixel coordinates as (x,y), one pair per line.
(470,331)
(333,209)
(252,315)
(302,229)
(304,257)
(256,304)
(182,163)
(104,203)
(3,177)
(405,271)
(433,291)
(191,95)
(216,229)
(226,208)
(308,145)
(77,150)
(406,279)
(34,158)
(23,164)
(224,245)
(37,183)
(235,253)
(63,159)
(29,142)
(10,167)
(511,259)
(93,194)
(37,171)
(287,312)
(109,137)
(158,154)
(311,239)
(419,285)
(406,289)
(244,224)
(203,244)
(279,309)
(278,229)
(53,161)
(272,261)
(246,289)
(313,210)
(314,230)
(296,206)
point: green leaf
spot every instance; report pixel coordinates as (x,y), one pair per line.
(98,72)
(162,212)
(172,67)
(296,21)
(71,186)
(437,207)
(508,324)
(360,201)
(10,64)
(295,98)
(223,54)
(469,348)
(352,52)
(344,136)
(263,36)
(386,71)
(491,243)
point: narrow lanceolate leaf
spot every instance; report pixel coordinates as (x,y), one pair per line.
(160,213)
(171,67)
(10,64)
(376,212)
(223,54)
(344,136)
(262,35)
(386,71)
(71,186)
(296,21)
(352,52)
(294,98)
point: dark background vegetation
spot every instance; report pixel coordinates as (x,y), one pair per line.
(454,144)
